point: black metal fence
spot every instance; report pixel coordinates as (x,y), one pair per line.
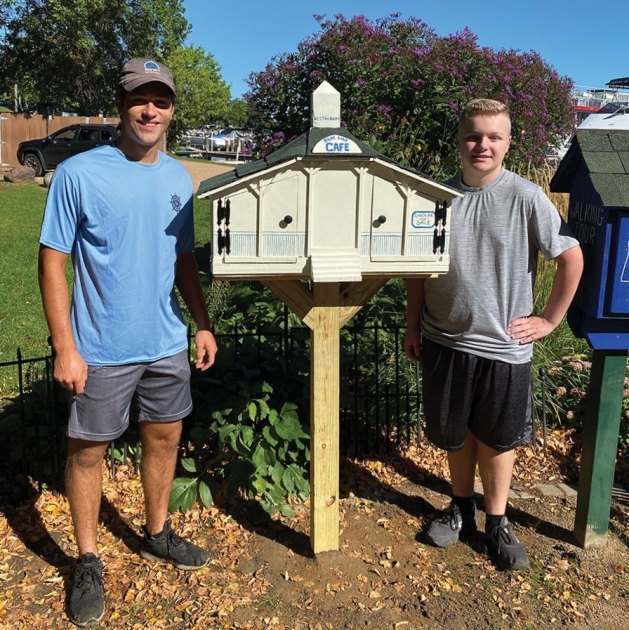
(32,420)
(380,397)
(379,394)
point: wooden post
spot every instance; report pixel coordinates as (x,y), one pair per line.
(600,444)
(324,418)
(324,309)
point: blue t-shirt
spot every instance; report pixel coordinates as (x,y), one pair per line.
(124,223)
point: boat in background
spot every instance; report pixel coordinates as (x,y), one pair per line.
(605,108)
(596,108)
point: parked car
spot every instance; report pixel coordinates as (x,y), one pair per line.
(46,154)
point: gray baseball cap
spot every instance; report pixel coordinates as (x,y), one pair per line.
(137,72)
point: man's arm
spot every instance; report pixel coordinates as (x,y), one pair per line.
(70,370)
(565,283)
(189,285)
(414,309)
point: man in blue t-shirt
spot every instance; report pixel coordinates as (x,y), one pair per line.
(124,215)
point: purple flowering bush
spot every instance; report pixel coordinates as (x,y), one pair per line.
(402,86)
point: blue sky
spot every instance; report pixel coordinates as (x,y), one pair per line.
(585,42)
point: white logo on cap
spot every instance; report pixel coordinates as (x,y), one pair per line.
(151,66)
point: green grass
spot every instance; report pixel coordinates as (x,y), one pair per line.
(202,233)
(22,321)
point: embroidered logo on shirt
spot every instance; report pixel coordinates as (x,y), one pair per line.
(175,202)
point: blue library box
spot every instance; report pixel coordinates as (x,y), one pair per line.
(595,172)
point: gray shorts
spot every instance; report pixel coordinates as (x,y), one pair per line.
(462,392)
(158,391)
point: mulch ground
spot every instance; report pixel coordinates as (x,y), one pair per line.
(382,577)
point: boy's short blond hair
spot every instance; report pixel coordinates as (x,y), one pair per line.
(482,107)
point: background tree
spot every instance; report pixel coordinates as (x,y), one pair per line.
(69,52)
(6,9)
(402,86)
(204,94)
(238,114)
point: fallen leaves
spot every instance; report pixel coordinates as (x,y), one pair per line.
(380,573)
(139,595)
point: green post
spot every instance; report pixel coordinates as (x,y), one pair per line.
(600,444)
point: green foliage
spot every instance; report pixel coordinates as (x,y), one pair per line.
(567,379)
(42,32)
(127,448)
(204,94)
(7,8)
(218,298)
(244,437)
(69,52)
(238,114)
(402,87)
(561,342)
(154,26)
(378,332)
(248,434)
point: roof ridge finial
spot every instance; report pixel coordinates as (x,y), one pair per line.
(325,107)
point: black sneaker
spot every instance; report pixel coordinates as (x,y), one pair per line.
(446,529)
(506,550)
(169,547)
(87,604)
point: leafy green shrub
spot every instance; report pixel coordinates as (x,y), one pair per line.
(567,380)
(218,298)
(567,384)
(248,435)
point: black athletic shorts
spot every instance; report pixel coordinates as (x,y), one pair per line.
(462,392)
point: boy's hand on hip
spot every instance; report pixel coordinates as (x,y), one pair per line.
(529,329)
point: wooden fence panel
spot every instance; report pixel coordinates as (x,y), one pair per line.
(16,128)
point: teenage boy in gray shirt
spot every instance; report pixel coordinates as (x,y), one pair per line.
(473,327)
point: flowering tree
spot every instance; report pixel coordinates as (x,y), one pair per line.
(402,86)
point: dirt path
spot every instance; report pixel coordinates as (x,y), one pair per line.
(202,169)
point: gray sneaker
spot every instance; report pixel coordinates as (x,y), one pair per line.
(446,529)
(168,547)
(505,548)
(87,604)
